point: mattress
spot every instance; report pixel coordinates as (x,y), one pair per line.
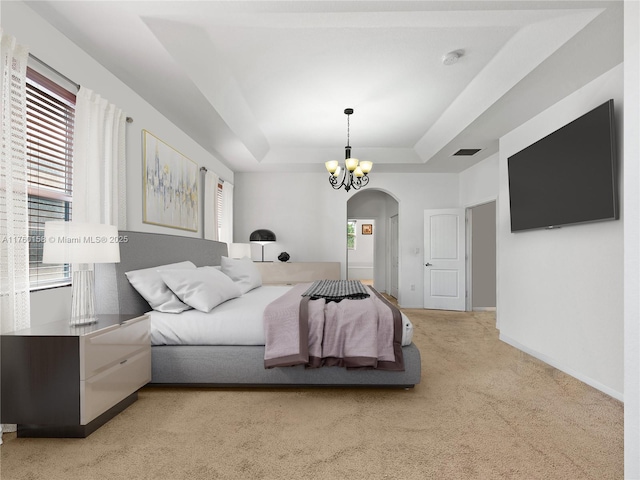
(235,322)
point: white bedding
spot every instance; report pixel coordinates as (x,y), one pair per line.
(235,322)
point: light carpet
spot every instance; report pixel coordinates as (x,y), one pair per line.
(483,410)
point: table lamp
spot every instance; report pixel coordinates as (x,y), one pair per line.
(262,237)
(82,244)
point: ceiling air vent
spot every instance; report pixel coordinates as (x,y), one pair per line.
(465,152)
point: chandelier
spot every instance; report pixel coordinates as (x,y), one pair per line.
(354,174)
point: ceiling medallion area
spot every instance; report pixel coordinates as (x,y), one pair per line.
(354,174)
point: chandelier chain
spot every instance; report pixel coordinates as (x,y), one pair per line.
(348,130)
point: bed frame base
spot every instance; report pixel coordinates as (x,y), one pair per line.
(243,366)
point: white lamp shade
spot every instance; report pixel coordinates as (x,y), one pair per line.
(351,164)
(77,242)
(331,166)
(366,166)
(239,250)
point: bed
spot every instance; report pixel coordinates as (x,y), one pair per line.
(175,364)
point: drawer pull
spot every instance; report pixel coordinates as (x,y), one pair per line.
(123,361)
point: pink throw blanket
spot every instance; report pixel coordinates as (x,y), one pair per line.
(363,333)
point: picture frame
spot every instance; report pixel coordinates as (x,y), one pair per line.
(170,190)
(367,229)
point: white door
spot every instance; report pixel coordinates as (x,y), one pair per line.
(444,259)
(393,250)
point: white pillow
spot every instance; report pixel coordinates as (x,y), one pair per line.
(150,285)
(202,288)
(242,271)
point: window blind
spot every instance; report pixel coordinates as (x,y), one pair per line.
(50,123)
(219,208)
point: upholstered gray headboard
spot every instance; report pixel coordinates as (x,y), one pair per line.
(114,293)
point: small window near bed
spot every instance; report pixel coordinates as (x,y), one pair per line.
(50,123)
(220,211)
(224,198)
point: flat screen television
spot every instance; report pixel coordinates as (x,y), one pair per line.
(568,177)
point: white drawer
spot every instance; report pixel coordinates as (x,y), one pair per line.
(102,391)
(112,345)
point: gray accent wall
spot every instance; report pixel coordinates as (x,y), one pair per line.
(483,256)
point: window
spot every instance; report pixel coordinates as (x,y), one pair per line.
(50,121)
(219,206)
(351,234)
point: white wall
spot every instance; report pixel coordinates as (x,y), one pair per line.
(53,48)
(309,217)
(632,240)
(309,221)
(479,184)
(560,292)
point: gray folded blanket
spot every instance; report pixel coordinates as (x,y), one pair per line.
(336,290)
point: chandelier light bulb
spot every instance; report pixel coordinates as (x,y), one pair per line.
(332,166)
(366,166)
(358,173)
(351,164)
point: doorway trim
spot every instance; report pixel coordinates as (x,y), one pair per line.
(393,240)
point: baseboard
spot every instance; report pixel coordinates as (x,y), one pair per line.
(583,378)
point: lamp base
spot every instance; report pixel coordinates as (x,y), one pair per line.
(82,297)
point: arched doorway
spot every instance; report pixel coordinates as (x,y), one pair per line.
(374,217)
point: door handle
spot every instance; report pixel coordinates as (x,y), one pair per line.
(428,265)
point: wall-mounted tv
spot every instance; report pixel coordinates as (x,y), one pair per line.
(567,177)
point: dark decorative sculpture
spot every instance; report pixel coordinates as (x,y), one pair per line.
(284,257)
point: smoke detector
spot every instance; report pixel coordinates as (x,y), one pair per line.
(452,57)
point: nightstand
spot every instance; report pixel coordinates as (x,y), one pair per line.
(62,381)
(290,273)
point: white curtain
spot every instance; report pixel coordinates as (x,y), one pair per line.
(14,213)
(211,205)
(226,230)
(99,163)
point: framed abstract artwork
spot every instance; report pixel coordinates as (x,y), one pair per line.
(170,197)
